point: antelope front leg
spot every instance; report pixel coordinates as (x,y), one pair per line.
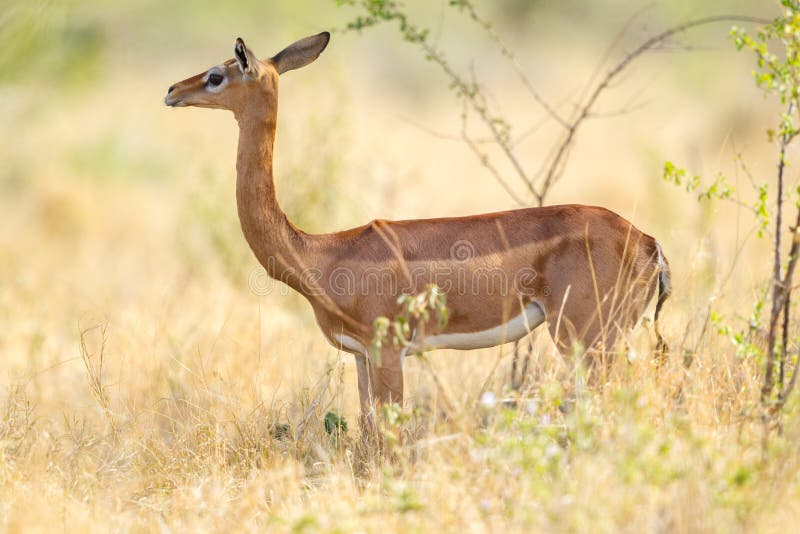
(389,378)
(366,388)
(378,385)
(366,383)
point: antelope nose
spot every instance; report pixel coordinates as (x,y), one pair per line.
(171,88)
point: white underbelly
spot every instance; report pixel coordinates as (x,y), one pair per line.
(512,330)
(516,328)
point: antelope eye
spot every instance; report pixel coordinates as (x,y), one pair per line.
(215,79)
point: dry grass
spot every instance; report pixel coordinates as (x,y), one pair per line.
(145,387)
(199,441)
(153,394)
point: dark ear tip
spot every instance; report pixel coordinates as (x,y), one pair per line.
(326,36)
(239,41)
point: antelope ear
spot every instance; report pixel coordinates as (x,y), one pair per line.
(301,53)
(244,57)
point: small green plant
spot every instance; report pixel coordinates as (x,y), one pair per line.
(335,426)
(391,424)
(415,312)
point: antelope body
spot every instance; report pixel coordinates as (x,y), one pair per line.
(585,271)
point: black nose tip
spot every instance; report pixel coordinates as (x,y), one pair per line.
(171,87)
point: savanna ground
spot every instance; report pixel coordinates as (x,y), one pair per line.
(150,382)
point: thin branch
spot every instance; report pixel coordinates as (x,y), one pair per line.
(446,136)
(610,48)
(508,54)
(484,159)
(627,110)
(792,383)
(471,93)
(793,256)
(557,163)
(475,96)
(787,304)
(779,286)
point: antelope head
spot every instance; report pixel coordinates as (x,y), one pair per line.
(243,82)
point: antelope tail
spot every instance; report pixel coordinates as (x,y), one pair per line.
(664,291)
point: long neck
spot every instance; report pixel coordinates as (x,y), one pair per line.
(276,243)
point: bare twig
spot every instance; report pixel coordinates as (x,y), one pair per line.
(508,54)
(485,160)
(785,295)
(557,164)
(792,383)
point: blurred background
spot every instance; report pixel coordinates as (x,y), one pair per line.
(119,211)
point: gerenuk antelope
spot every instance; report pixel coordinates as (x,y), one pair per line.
(584,271)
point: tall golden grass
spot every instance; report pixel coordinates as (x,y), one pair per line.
(145,386)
